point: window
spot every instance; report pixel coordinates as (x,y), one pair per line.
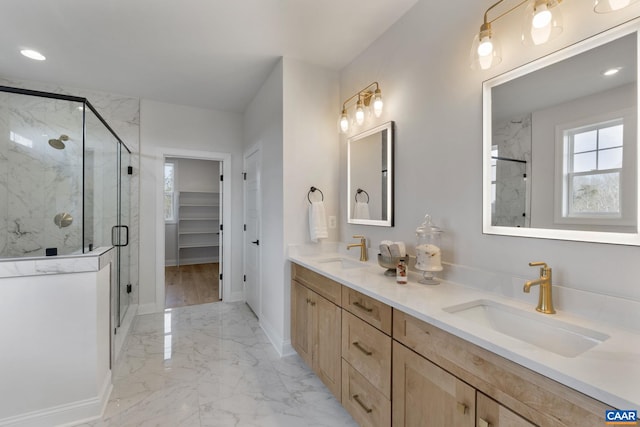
(593,170)
(169,192)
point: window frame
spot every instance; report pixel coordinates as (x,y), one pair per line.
(561,209)
(173,193)
(568,175)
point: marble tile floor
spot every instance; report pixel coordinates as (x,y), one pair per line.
(212,365)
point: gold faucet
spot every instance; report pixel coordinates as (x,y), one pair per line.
(545,303)
(362,245)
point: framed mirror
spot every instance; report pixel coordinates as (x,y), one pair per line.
(370,177)
(560,144)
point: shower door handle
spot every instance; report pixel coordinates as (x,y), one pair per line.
(116,242)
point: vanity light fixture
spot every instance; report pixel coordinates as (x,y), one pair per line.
(606,6)
(32,54)
(369,97)
(542,22)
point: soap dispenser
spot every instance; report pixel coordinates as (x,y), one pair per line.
(428,254)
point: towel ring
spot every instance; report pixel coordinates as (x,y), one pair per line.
(359,191)
(313,190)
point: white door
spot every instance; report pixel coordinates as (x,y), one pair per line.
(252,268)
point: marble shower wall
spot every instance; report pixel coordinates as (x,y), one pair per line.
(513,140)
(39,181)
(123,116)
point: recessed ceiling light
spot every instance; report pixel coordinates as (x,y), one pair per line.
(33,54)
(611,71)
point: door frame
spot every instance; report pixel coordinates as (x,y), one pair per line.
(225,158)
(254,149)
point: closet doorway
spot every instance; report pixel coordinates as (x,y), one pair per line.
(193,237)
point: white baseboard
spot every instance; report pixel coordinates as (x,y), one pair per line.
(148,308)
(170,262)
(234,297)
(125,328)
(69,414)
(276,340)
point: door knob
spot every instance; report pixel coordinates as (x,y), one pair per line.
(256,242)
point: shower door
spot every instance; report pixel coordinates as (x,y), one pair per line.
(123,247)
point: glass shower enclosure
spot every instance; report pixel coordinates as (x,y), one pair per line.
(64,182)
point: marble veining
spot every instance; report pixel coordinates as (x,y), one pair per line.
(212,365)
(36,119)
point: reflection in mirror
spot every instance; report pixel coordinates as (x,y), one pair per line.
(560,144)
(370,177)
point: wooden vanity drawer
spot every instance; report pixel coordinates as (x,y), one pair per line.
(318,283)
(368,309)
(368,350)
(366,404)
(531,395)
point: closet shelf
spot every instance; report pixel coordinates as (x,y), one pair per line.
(199,245)
(198,230)
(200,219)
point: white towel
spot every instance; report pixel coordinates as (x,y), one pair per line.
(317,221)
(402,247)
(361,210)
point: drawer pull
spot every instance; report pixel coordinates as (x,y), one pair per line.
(483,423)
(362,307)
(462,408)
(357,399)
(313,303)
(357,345)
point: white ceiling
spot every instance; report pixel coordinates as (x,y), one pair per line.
(205,53)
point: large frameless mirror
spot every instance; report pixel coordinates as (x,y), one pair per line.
(560,155)
(370,177)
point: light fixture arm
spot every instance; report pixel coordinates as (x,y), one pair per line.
(364,94)
(486,14)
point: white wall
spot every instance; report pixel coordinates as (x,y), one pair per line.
(311,147)
(263,125)
(435,98)
(175,126)
(297,133)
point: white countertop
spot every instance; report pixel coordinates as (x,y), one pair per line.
(609,372)
(60,264)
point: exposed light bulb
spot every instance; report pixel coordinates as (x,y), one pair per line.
(485,48)
(541,17)
(359,113)
(377,103)
(32,54)
(344,121)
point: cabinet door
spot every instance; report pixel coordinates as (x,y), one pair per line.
(326,347)
(425,395)
(301,322)
(492,414)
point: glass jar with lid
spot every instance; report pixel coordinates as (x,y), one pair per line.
(428,252)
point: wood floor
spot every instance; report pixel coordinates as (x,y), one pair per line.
(191,284)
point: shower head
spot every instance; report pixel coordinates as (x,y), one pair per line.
(58,144)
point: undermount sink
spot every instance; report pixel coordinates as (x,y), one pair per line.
(545,332)
(345,263)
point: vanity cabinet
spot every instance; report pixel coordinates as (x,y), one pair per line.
(389,368)
(490,413)
(427,395)
(519,393)
(366,359)
(314,322)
